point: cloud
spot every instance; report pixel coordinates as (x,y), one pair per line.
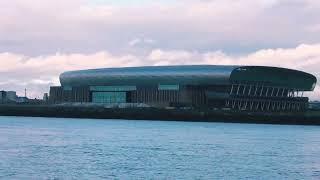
(39,72)
(141,42)
(94,35)
(35,28)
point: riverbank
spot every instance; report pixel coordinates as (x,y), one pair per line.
(96,112)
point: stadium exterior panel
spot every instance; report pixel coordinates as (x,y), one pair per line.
(245,88)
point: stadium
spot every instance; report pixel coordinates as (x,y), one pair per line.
(240,88)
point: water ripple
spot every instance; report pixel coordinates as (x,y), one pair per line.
(41,148)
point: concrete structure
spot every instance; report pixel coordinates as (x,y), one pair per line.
(45,97)
(245,88)
(8,96)
(314,105)
(2,95)
(12,95)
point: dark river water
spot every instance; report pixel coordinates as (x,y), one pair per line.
(48,148)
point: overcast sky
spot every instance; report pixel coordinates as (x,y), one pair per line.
(39,39)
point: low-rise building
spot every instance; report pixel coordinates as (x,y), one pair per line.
(11,95)
(8,96)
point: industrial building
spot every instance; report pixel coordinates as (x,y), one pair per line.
(8,96)
(245,88)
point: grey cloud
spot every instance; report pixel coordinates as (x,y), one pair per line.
(47,37)
(37,73)
(47,27)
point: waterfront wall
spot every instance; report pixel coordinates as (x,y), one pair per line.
(308,118)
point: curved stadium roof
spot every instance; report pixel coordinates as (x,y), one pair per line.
(190,75)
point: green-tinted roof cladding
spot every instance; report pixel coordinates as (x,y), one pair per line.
(190,75)
(274,76)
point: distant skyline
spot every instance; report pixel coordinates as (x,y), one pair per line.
(40,39)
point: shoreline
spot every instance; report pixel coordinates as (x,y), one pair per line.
(95,112)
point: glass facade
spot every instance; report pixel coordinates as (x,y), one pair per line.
(113,88)
(109,97)
(168,87)
(67,88)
